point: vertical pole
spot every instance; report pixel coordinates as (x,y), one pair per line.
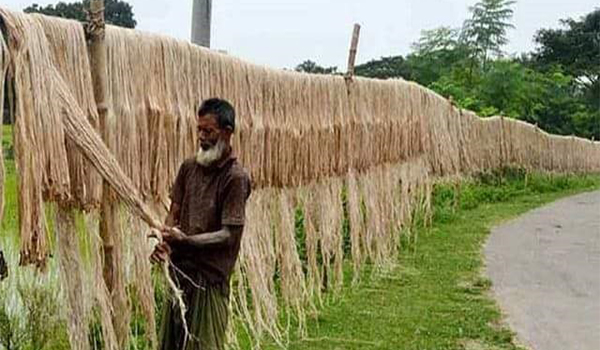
(201,22)
(110,230)
(353,48)
(108,208)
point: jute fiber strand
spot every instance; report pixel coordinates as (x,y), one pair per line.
(309,207)
(329,216)
(257,264)
(3,67)
(72,273)
(292,281)
(362,153)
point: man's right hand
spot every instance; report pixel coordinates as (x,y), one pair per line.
(161,253)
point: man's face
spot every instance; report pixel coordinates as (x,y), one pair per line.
(209,132)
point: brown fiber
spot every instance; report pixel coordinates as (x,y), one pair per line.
(307,140)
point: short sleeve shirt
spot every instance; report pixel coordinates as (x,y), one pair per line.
(210,198)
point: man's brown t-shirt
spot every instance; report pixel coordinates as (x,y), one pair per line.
(210,198)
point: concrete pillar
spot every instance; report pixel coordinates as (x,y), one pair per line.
(201,13)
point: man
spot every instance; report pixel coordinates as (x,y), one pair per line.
(204,229)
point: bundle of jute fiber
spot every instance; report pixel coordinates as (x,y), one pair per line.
(356,222)
(307,140)
(442,143)
(37,139)
(3,67)
(26,109)
(314,274)
(72,274)
(72,123)
(68,54)
(329,216)
(294,128)
(292,281)
(257,265)
(28,153)
(290,120)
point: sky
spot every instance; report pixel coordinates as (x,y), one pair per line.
(283,33)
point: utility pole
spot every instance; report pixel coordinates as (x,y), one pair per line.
(201,15)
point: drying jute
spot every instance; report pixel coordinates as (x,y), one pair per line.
(318,147)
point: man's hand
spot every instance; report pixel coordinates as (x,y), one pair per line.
(161,253)
(173,235)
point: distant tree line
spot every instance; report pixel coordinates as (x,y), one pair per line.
(118,13)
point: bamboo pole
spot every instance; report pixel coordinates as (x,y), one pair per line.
(353,49)
(108,209)
(110,229)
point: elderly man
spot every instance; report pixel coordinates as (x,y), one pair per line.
(204,229)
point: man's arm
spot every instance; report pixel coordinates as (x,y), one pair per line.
(163,250)
(172,219)
(220,237)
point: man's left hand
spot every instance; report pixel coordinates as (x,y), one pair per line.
(173,235)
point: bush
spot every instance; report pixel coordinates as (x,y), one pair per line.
(500,186)
(30,317)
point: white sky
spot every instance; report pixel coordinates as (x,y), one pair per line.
(283,33)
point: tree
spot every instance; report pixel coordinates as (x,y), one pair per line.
(436,53)
(442,39)
(485,31)
(384,68)
(309,66)
(576,48)
(117,12)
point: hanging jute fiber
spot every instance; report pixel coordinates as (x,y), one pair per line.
(3,67)
(341,168)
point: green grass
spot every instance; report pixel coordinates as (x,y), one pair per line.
(9,224)
(436,297)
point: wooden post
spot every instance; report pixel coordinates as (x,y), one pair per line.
(110,229)
(108,208)
(353,48)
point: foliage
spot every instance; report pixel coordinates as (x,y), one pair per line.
(6,144)
(12,333)
(117,12)
(30,318)
(576,47)
(384,68)
(485,31)
(309,66)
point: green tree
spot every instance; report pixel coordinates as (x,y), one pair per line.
(442,39)
(436,53)
(576,48)
(485,31)
(309,66)
(117,12)
(384,68)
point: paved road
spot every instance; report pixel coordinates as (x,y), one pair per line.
(545,270)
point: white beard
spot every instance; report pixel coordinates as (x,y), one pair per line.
(209,156)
